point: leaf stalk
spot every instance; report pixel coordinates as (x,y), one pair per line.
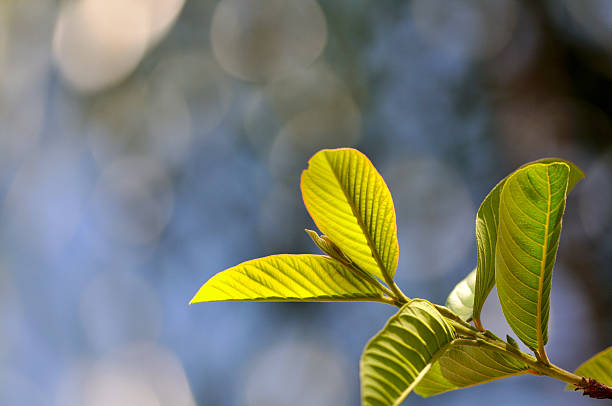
(478,339)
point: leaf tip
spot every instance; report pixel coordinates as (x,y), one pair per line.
(194,298)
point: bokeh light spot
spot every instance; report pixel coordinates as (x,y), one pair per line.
(470,29)
(287,373)
(258,40)
(133,200)
(435,216)
(97,43)
(118,308)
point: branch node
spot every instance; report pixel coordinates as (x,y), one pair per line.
(594,389)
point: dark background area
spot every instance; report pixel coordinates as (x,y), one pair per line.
(147,145)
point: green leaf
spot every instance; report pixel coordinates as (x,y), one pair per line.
(531,208)
(486,238)
(461,298)
(487,220)
(598,367)
(287,278)
(351,204)
(399,356)
(461,366)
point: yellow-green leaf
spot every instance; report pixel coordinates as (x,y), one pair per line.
(351,204)
(401,354)
(531,208)
(461,298)
(462,366)
(598,367)
(287,278)
(487,221)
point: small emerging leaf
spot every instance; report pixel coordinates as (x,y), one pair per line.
(598,367)
(328,247)
(351,204)
(461,366)
(512,344)
(487,222)
(531,208)
(461,298)
(399,356)
(287,277)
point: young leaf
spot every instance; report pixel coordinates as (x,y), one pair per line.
(399,356)
(461,298)
(598,367)
(461,366)
(351,204)
(487,221)
(328,247)
(287,277)
(531,208)
(486,238)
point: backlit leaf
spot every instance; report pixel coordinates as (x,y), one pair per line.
(287,278)
(351,204)
(401,354)
(461,366)
(487,220)
(531,208)
(598,367)
(461,298)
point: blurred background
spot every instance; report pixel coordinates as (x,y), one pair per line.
(146,145)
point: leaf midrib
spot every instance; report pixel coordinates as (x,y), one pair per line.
(543,267)
(364,230)
(421,375)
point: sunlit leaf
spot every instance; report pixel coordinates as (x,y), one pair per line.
(461,298)
(487,221)
(461,366)
(598,367)
(401,354)
(287,278)
(531,208)
(351,204)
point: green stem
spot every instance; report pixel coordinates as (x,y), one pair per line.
(478,339)
(372,281)
(446,312)
(399,295)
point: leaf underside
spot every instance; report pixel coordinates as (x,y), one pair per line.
(598,367)
(287,278)
(399,356)
(487,221)
(461,298)
(462,366)
(351,204)
(531,208)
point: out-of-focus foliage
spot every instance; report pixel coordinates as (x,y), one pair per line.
(461,298)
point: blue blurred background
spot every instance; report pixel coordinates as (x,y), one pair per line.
(147,144)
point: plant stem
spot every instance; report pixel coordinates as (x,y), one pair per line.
(446,312)
(478,339)
(372,281)
(399,295)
